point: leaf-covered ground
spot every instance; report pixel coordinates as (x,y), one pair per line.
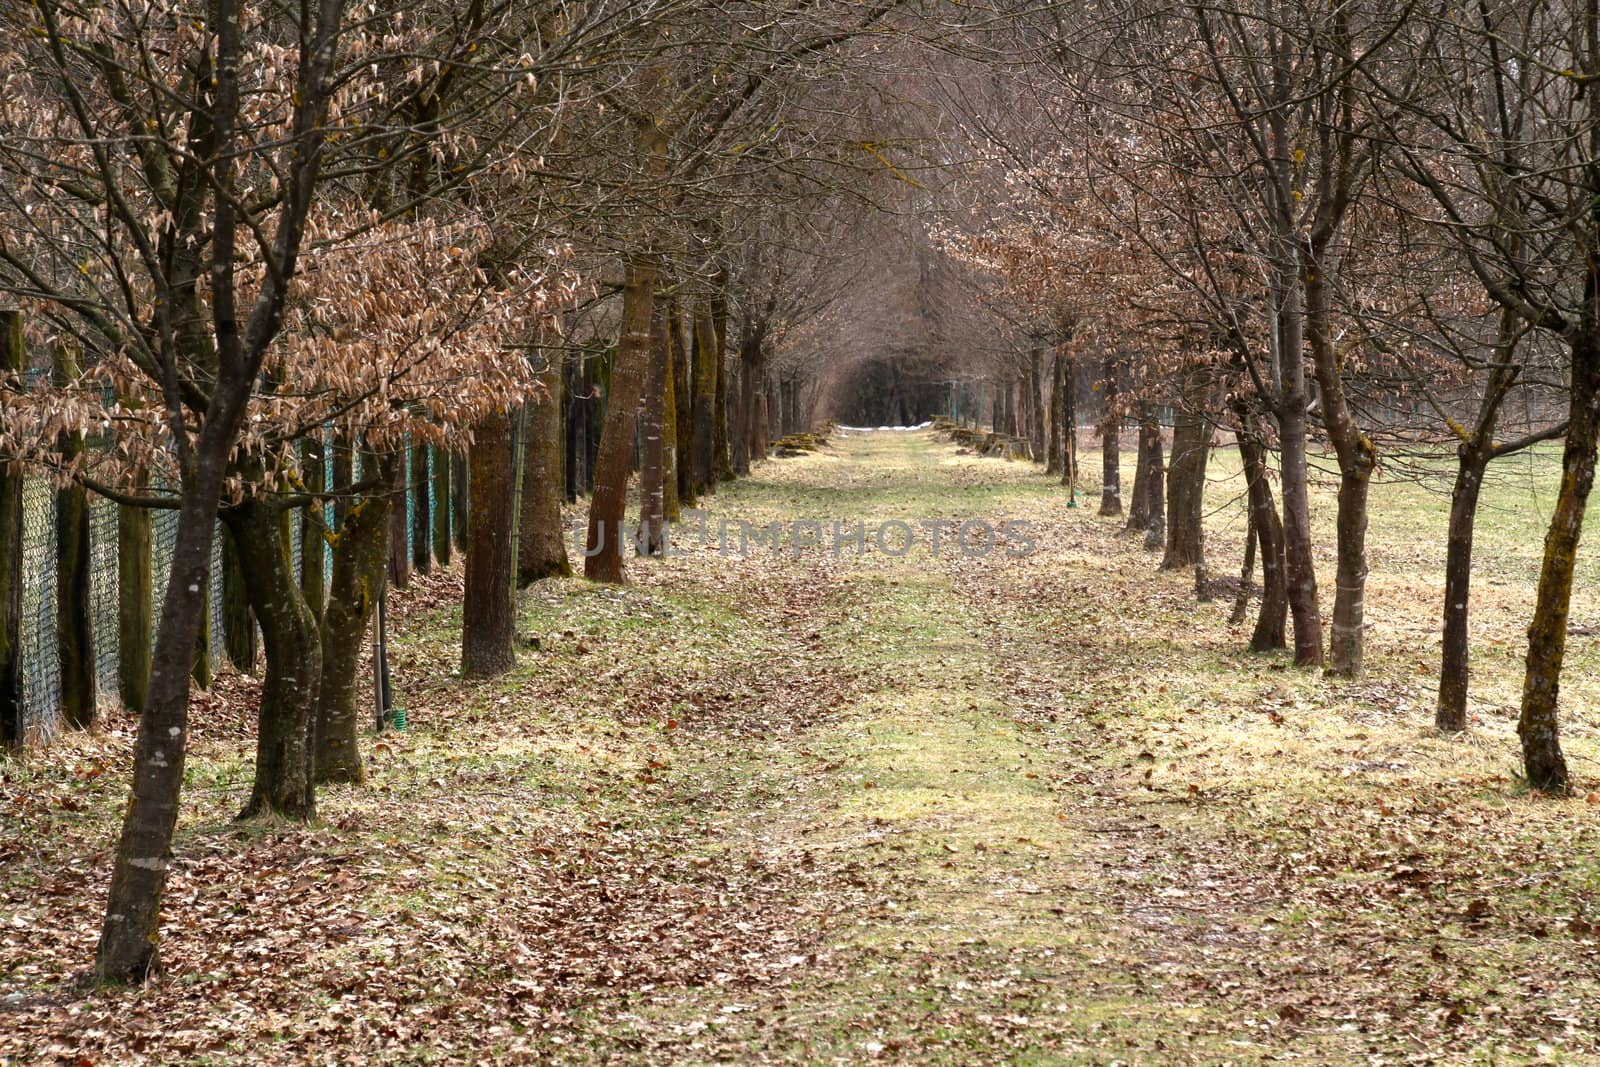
(848,807)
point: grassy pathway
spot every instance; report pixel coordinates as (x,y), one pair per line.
(848,807)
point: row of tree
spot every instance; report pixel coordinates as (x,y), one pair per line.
(269,250)
(1347,227)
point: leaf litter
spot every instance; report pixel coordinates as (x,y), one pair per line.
(818,808)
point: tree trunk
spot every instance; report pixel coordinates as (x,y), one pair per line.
(201,666)
(1186,482)
(400,530)
(594,419)
(342,477)
(1069,435)
(603,547)
(293,644)
(763,416)
(74,610)
(703,428)
(460,497)
(1111,447)
(738,420)
(488,617)
(683,392)
(129,937)
(1538,725)
(1357,459)
(542,544)
(1036,419)
(441,506)
(1473,458)
(754,358)
(1149,452)
(1291,414)
(1155,500)
(721,464)
(1451,713)
(670,509)
(575,399)
(652,494)
(1271,620)
(238,624)
(12,364)
(1345,659)
(360,554)
(135,604)
(791,404)
(421,515)
(1053,418)
(521,421)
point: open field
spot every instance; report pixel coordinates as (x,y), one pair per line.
(841,807)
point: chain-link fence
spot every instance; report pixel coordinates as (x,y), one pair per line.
(39,645)
(41,668)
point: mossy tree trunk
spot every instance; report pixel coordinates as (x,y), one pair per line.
(293,644)
(360,554)
(1538,725)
